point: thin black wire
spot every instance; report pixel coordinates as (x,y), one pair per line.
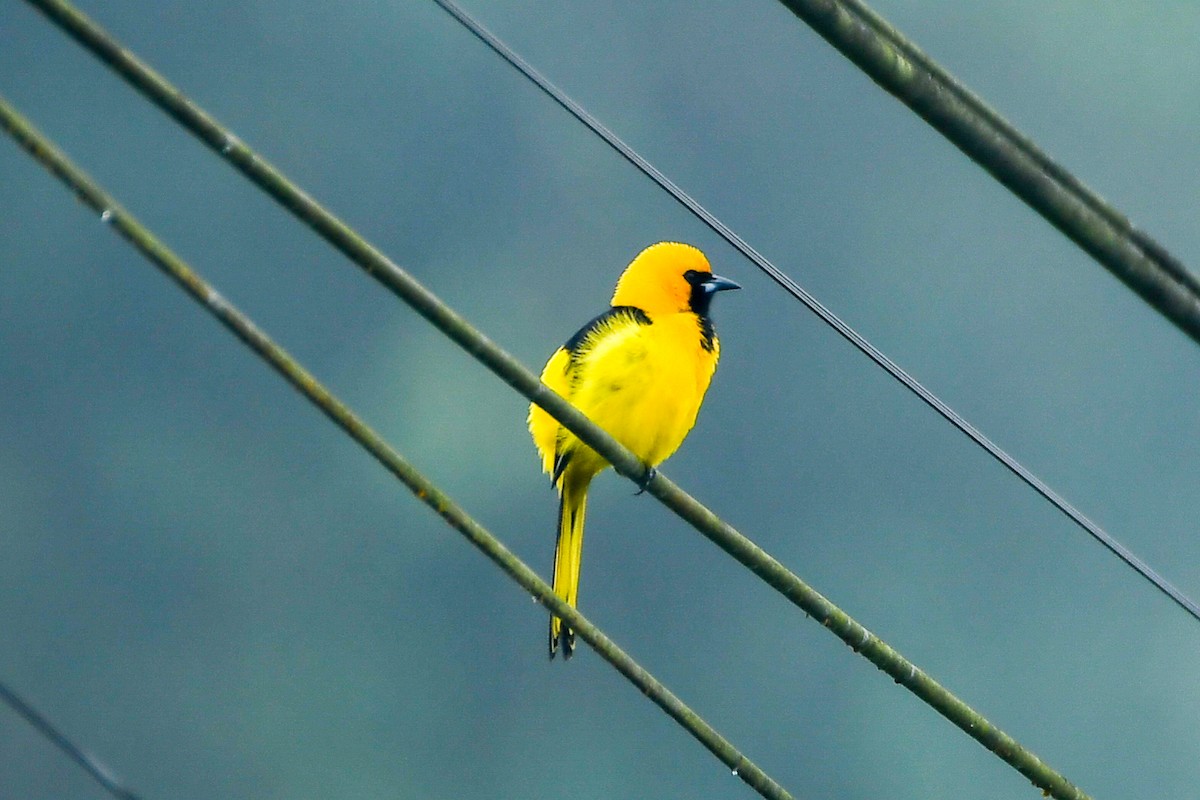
(830,318)
(99,772)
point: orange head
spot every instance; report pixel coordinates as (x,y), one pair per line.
(669,278)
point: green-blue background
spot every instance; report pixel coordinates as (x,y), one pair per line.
(212,588)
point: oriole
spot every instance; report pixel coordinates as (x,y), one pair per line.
(639,371)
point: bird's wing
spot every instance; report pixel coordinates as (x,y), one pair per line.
(542,426)
(561,374)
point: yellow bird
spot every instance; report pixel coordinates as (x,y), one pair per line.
(639,371)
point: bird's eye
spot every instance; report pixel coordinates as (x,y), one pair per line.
(693,277)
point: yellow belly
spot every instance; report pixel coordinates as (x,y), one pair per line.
(644,388)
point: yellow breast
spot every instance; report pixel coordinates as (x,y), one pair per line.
(641,383)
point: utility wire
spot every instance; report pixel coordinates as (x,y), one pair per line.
(129,228)
(839,325)
(51,732)
(903,69)
(511,371)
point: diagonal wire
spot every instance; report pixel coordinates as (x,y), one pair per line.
(53,734)
(90,193)
(903,69)
(750,555)
(828,316)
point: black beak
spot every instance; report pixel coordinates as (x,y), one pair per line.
(718,284)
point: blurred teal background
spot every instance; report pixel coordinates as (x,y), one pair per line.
(217,592)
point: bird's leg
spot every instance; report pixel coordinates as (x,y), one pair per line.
(644,483)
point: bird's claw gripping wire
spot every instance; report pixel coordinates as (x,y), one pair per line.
(644,483)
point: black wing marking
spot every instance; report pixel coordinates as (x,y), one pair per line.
(561,460)
(708,334)
(578,344)
(614,316)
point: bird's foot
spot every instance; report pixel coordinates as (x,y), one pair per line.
(644,483)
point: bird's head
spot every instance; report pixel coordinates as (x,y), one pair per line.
(668,278)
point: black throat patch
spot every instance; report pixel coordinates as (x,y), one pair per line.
(699,302)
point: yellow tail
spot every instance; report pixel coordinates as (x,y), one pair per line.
(567,554)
